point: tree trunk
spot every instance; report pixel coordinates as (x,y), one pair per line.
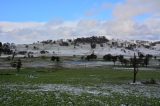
(134,78)
(135,74)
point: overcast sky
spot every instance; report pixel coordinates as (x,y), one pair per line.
(28,21)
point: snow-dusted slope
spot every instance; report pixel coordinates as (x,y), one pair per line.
(85,49)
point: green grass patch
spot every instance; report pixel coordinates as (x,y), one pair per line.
(88,76)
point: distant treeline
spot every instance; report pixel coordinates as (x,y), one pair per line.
(93,39)
(154,43)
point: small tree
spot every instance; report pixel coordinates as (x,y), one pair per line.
(121,58)
(114,59)
(93,45)
(57,59)
(140,55)
(88,58)
(19,65)
(93,56)
(57,65)
(134,63)
(146,60)
(53,58)
(107,57)
(101,45)
(27,46)
(1,48)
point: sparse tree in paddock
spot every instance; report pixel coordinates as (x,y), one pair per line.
(134,62)
(146,60)
(1,48)
(53,58)
(91,57)
(114,59)
(57,63)
(57,59)
(121,58)
(93,45)
(107,57)
(19,65)
(27,46)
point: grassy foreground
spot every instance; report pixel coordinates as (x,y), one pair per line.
(89,76)
(12,94)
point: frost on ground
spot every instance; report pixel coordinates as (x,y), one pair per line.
(149,91)
(69,95)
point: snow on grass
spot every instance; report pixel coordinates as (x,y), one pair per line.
(67,95)
(150,91)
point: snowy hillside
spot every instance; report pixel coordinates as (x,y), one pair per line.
(114,47)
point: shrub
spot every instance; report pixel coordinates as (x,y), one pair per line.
(107,57)
(92,56)
(151,81)
(43,52)
(54,58)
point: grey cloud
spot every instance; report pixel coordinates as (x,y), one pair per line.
(111,29)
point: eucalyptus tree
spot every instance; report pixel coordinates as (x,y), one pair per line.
(134,62)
